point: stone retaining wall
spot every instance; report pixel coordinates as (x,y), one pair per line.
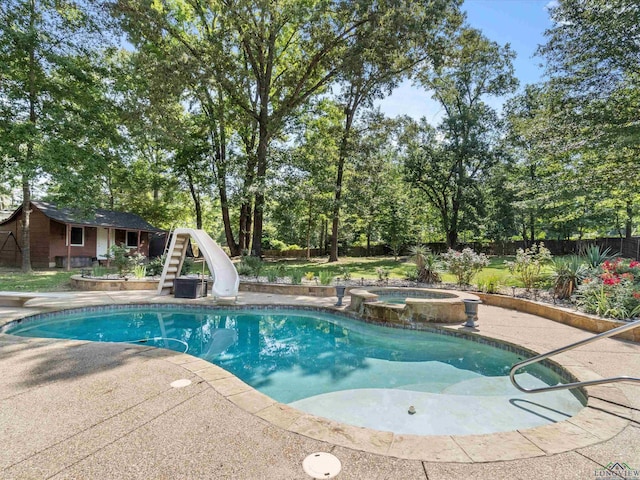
(79,282)
(288,289)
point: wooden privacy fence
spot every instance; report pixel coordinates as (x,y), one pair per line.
(626,247)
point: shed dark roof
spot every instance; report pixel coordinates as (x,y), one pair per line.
(99,218)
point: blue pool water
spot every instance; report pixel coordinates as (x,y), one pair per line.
(330,365)
(392,299)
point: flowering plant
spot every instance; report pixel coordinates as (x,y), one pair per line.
(613,290)
(528,264)
(465,264)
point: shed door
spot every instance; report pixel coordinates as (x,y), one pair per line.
(102,244)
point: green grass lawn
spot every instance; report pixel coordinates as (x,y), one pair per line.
(360,267)
(38,281)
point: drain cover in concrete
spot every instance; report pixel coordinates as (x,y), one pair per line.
(321,465)
(183,382)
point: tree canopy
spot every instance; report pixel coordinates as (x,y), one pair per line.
(258,120)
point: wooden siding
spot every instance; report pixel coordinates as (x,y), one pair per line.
(39,249)
(44,252)
(58,242)
(10,256)
(143,248)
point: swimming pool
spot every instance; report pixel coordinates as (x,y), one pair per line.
(336,367)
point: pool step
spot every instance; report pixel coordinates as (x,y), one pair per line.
(440,414)
(491,386)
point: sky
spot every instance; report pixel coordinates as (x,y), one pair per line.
(521,23)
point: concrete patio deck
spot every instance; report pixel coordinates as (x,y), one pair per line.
(72,409)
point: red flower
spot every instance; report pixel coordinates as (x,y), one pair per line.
(634,264)
(612,280)
(636,295)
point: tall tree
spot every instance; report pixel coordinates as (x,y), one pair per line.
(285,52)
(387,50)
(43,45)
(446,165)
(593,61)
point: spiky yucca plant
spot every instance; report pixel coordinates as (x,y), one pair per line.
(427,264)
(568,273)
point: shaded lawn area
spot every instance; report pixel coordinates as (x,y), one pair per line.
(53,280)
(365,267)
(359,267)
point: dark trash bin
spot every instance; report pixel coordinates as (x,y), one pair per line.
(187,287)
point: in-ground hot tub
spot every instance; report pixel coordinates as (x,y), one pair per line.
(410,305)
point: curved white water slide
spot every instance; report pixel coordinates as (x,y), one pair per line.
(225,276)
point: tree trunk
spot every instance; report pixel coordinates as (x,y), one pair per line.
(242,221)
(195,196)
(628,227)
(234,249)
(309,224)
(258,207)
(333,254)
(532,228)
(26,230)
(26,187)
(452,238)
(525,239)
(326,236)
(246,207)
(244,235)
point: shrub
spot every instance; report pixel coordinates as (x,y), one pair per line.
(527,266)
(326,277)
(491,284)
(464,265)
(620,301)
(123,261)
(595,256)
(277,245)
(383,274)
(310,276)
(118,254)
(427,264)
(140,271)
(281,269)
(272,275)
(411,274)
(187,266)
(243,269)
(254,265)
(345,273)
(155,266)
(98,271)
(568,273)
(296,276)
(613,290)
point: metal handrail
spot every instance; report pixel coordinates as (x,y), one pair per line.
(563,386)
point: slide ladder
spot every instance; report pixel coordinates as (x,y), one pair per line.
(225,276)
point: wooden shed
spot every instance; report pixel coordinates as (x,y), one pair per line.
(64,237)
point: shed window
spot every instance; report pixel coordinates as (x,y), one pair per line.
(132,239)
(77,236)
